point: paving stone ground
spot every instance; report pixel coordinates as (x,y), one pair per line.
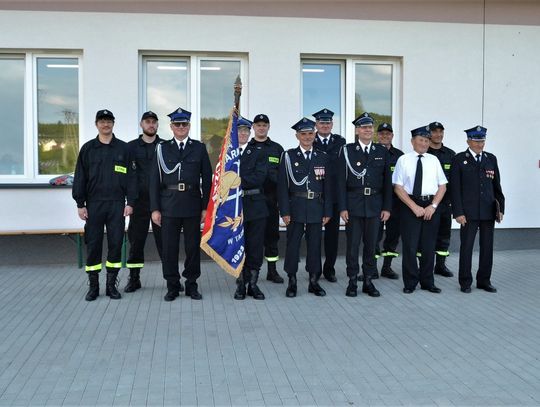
(420,349)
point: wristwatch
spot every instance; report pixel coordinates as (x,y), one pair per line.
(434,206)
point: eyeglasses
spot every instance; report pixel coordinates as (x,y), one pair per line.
(183,124)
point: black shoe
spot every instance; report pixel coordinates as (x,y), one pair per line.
(389,273)
(93,283)
(443,271)
(432,289)
(466,290)
(330,274)
(272,274)
(134,281)
(111,290)
(316,289)
(193,293)
(370,290)
(291,288)
(487,287)
(408,290)
(171,295)
(352,288)
(375,276)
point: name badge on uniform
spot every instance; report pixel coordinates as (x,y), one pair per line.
(121,169)
(490,174)
(319,173)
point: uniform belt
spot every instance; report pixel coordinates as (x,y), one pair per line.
(308,194)
(181,186)
(248,192)
(364,190)
(422,198)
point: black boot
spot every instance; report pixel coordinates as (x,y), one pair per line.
(352,288)
(111,290)
(134,281)
(291,288)
(272,274)
(387,271)
(440,267)
(253,290)
(240,293)
(93,289)
(314,286)
(369,289)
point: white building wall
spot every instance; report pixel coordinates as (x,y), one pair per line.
(441,78)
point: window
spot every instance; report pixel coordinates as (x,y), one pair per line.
(350,87)
(200,84)
(12,115)
(40,116)
(322,85)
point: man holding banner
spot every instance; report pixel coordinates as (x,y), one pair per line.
(180,180)
(223,232)
(253,172)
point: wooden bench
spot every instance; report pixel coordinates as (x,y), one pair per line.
(79,236)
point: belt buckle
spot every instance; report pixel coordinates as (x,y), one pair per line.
(181,187)
(424,197)
(310,195)
(367,191)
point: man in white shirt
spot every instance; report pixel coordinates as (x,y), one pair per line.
(420,183)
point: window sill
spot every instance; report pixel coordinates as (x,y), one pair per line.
(45,185)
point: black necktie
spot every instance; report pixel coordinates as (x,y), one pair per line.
(241,149)
(478,158)
(417,188)
(366,153)
(325,143)
(307,155)
(181,146)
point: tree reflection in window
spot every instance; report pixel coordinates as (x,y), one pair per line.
(58,114)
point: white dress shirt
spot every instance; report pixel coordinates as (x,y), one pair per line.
(432,173)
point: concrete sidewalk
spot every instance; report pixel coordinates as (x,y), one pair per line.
(419,349)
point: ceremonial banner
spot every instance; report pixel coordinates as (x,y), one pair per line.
(223,232)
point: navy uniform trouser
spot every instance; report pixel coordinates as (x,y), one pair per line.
(108,214)
(137,233)
(485,264)
(418,234)
(170,230)
(271,233)
(295,231)
(361,229)
(331,240)
(254,239)
(445,227)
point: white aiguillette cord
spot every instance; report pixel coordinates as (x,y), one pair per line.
(359,175)
(290,172)
(163,166)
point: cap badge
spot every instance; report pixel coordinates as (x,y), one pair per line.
(325,111)
(260,116)
(179,110)
(478,128)
(105,112)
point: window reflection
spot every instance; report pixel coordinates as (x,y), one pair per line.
(166,90)
(12,116)
(217,100)
(321,87)
(373,91)
(58,114)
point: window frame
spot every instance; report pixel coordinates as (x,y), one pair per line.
(30,175)
(342,63)
(194,81)
(348,88)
